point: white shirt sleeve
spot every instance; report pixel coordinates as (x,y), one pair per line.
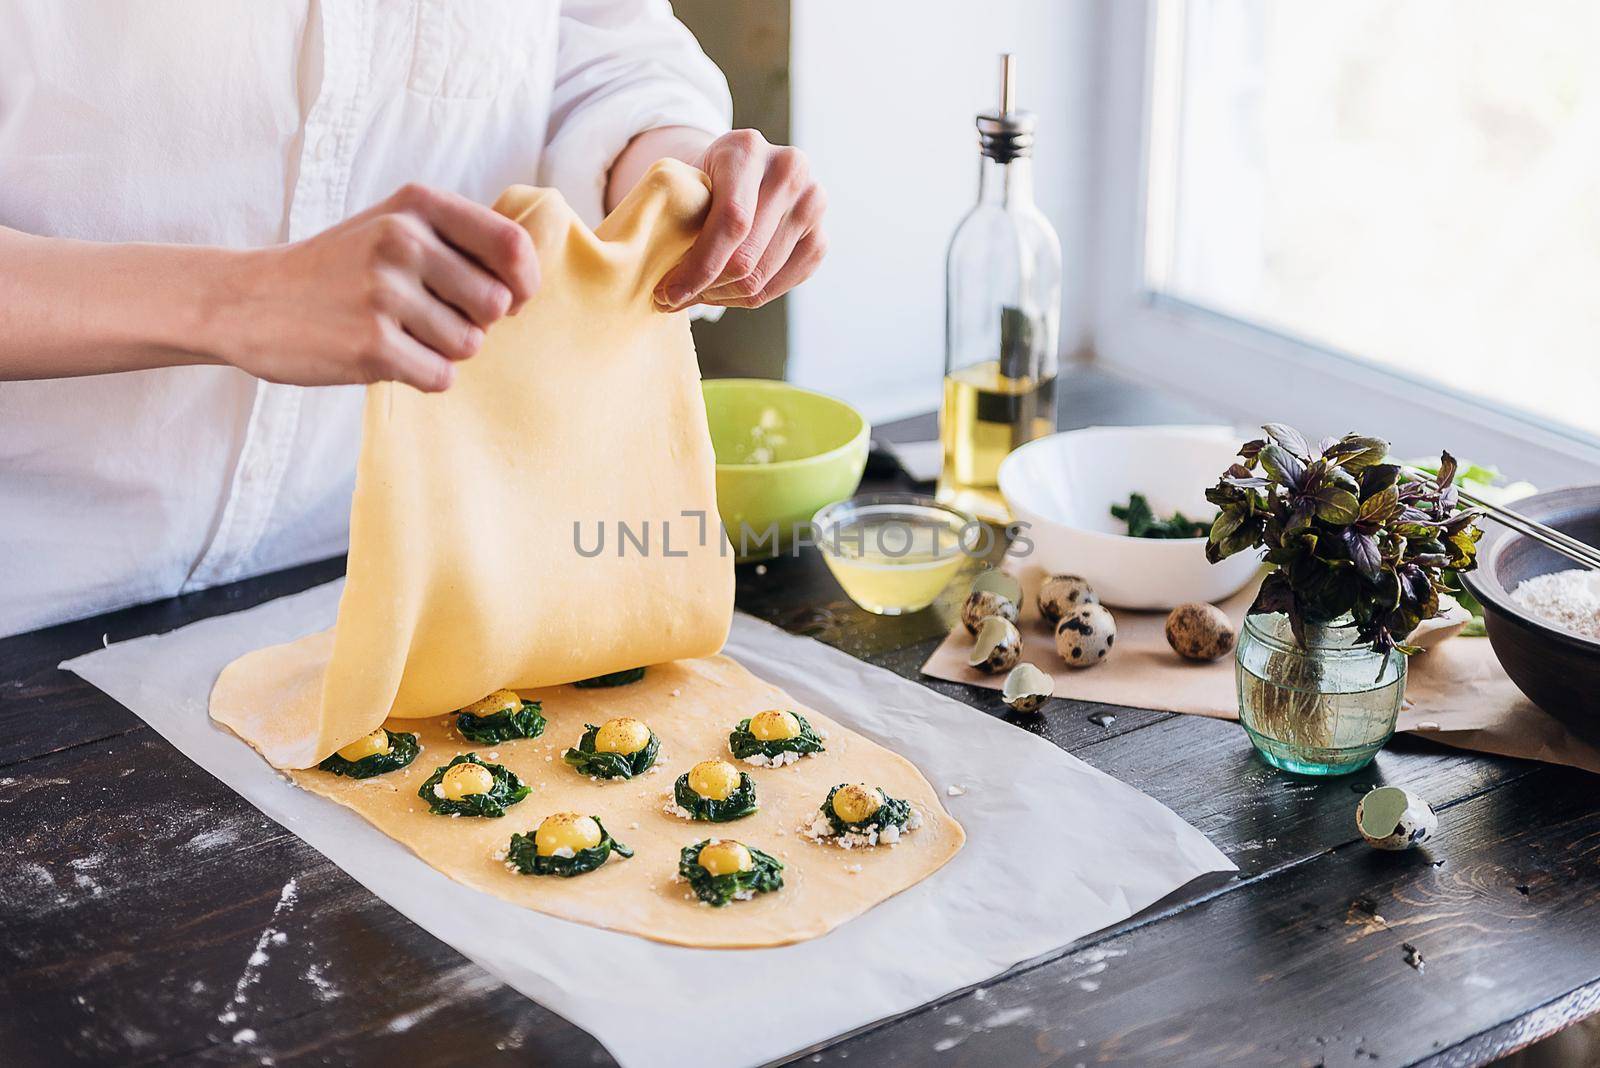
(622,67)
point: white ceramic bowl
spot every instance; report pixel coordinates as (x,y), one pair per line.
(1063,487)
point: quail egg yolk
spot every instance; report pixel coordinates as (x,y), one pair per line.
(774,726)
(499,701)
(465,779)
(855,803)
(566,830)
(621,736)
(374,744)
(714,779)
(725,858)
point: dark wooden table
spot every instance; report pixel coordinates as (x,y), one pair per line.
(148,914)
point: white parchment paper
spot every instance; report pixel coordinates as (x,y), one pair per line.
(1055,850)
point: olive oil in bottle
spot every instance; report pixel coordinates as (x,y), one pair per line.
(985,415)
(1002,313)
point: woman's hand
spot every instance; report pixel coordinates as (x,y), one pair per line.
(399,292)
(763,234)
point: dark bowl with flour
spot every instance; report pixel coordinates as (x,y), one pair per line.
(1557,668)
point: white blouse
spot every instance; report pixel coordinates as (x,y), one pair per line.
(189,121)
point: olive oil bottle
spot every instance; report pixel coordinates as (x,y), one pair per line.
(1002,316)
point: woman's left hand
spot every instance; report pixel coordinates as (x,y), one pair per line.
(763,233)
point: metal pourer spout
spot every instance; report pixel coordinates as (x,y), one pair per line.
(1008,133)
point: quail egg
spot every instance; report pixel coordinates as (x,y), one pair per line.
(981,605)
(1085,635)
(1027,688)
(1060,594)
(1200,631)
(1391,818)
(997,647)
(994,593)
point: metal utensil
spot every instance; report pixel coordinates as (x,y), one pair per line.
(1565,544)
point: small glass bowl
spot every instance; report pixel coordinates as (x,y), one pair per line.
(894,553)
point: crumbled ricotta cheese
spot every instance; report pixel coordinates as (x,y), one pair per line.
(954,790)
(819,828)
(565,852)
(761,760)
(672,808)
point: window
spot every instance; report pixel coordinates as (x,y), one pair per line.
(1403,195)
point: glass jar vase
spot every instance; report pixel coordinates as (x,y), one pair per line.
(1322,709)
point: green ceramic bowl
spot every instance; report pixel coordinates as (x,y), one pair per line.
(783,453)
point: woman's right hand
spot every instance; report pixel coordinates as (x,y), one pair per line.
(399,292)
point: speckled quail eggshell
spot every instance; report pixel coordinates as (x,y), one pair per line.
(997,647)
(1392,818)
(1027,688)
(1084,637)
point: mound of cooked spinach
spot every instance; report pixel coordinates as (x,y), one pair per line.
(894,812)
(744,745)
(764,876)
(403,749)
(524,855)
(525,722)
(740,803)
(1143,523)
(614,678)
(611,765)
(507,791)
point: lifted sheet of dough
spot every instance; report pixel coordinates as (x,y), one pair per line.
(582,412)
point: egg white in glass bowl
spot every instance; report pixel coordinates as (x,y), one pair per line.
(1063,487)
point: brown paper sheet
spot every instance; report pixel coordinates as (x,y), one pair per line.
(1456,691)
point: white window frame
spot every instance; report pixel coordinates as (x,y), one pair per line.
(1248,373)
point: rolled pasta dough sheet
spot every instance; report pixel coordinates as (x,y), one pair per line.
(581,413)
(691,705)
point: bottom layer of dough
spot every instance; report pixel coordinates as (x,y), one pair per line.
(691,705)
